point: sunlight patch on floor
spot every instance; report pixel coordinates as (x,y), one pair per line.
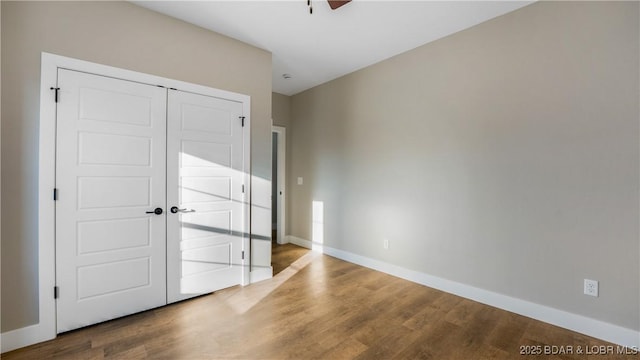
(247,297)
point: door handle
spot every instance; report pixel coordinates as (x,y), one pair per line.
(174,209)
(157,211)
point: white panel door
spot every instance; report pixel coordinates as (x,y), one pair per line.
(205,173)
(110,172)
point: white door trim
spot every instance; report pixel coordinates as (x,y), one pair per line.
(45,329)
(281,181)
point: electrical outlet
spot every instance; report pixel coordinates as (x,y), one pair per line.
(385,244)
(591,287)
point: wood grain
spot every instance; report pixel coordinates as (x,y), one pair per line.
(318,307)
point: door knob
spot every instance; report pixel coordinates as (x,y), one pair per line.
(157,211)
(175,209)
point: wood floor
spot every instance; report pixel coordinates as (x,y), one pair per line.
(284,255)
(317,308)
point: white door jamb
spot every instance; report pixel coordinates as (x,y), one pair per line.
(281,182)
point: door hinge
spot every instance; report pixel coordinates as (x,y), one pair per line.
(56,292)
(55,194)
(242,254)
(243,188)
(242,119)
(56,89)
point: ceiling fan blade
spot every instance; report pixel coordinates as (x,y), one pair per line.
(334,4)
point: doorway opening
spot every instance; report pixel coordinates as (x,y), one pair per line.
(283,254)
(278,184)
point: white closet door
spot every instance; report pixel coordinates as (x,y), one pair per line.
(204,180)
(111,171)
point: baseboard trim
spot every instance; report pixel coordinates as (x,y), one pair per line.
(259,274)
(28,335)
(33,334)
(298,241)
(282,240)
(582,324)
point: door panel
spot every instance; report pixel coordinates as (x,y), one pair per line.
(100,192)
(206,189)
(204,177)
(107,235)
(205,154)
(115,276)
(123,150)
(110,170)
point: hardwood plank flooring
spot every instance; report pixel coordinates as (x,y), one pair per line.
(319,307)
(284,255)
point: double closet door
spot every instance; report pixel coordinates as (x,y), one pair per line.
(150,204)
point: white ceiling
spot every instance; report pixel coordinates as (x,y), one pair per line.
(315,48)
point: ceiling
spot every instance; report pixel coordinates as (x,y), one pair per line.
(315,48)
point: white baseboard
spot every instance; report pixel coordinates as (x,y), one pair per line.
(298,241)
(582,324)
(33,334)
(284,239)
(259,274)
(22,337)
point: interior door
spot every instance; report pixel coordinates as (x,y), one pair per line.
(205,173)
(110,176)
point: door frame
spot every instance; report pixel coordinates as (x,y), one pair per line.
(45,329)
(281,182)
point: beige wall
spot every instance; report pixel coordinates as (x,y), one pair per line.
(504,157)
(117,34)
(281,115)
(281,110)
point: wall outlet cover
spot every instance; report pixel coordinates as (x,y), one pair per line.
(591,287)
